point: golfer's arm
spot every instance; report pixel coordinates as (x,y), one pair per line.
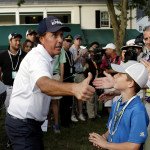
(55,88)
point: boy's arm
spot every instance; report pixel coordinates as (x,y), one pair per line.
(104,82)
(100,142)
(105,135)
(122,146)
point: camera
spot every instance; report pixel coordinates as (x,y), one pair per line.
(98,54)
(130,54)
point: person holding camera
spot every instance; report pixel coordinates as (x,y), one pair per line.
(132,51)
(78,53)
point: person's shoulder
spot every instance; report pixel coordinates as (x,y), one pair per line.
(4,53)
(137,104)
(72,48)
(23,53)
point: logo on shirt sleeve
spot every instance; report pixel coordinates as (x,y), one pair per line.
(142,134)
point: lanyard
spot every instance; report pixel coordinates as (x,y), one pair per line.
(12,65)
(69,59)
(114,123)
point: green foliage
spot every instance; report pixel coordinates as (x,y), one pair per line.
(20,2)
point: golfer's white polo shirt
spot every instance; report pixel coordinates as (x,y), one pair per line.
(27,101)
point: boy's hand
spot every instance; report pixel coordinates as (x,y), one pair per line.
(104,82)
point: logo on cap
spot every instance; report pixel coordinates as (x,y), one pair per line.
(56,21)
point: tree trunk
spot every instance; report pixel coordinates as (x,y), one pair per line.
(119,24)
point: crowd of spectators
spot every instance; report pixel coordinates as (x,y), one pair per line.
(72,65)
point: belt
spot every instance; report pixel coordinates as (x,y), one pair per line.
(27,120)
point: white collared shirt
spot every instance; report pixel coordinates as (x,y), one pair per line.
(27,101)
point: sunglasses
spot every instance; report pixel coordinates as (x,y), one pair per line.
(68,41)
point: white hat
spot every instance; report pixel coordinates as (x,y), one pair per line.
(83,47)
(130,43)
(14,35)
(136,70)
(110,45)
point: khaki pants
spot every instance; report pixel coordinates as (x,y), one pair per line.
(91,107)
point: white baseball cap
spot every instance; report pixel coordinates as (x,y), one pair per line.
(83,47)
(130,43)
(110,45)
(136,70)
(14,35)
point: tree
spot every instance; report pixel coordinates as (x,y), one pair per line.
(119,21)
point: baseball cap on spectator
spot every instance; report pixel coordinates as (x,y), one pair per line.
(14,35)
(31,31)
(135,70)
(77,36)
(51,24)
(83,47)
(130,43)
(68,37)
(110,45)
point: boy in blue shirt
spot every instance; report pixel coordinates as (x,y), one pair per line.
(128,120)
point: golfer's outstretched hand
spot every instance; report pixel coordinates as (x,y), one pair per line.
(84,91)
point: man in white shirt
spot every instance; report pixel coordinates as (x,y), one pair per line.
(33,86)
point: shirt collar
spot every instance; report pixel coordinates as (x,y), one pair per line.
(44,52)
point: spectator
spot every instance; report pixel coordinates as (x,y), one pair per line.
(27,46)
(124,128)
(58,74)
(32,36)
(66,101)
(110,57)
(79,76)
(2,95)
(132,51)
(94,45)
(146,56)
(91,66)
(10,61)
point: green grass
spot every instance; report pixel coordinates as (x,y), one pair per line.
(73,138)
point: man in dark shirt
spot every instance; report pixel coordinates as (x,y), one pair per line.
(10,61)
(66,101)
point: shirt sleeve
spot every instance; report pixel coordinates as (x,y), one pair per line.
(39,68)
(139,123)
(62,57)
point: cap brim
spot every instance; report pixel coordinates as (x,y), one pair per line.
(103,47)
(126,47)
(32,33)
(118,68)
(57,28)
(67,39)
(18,35)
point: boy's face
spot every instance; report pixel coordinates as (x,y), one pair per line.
(122,82)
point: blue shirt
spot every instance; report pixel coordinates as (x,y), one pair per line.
(133,124)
